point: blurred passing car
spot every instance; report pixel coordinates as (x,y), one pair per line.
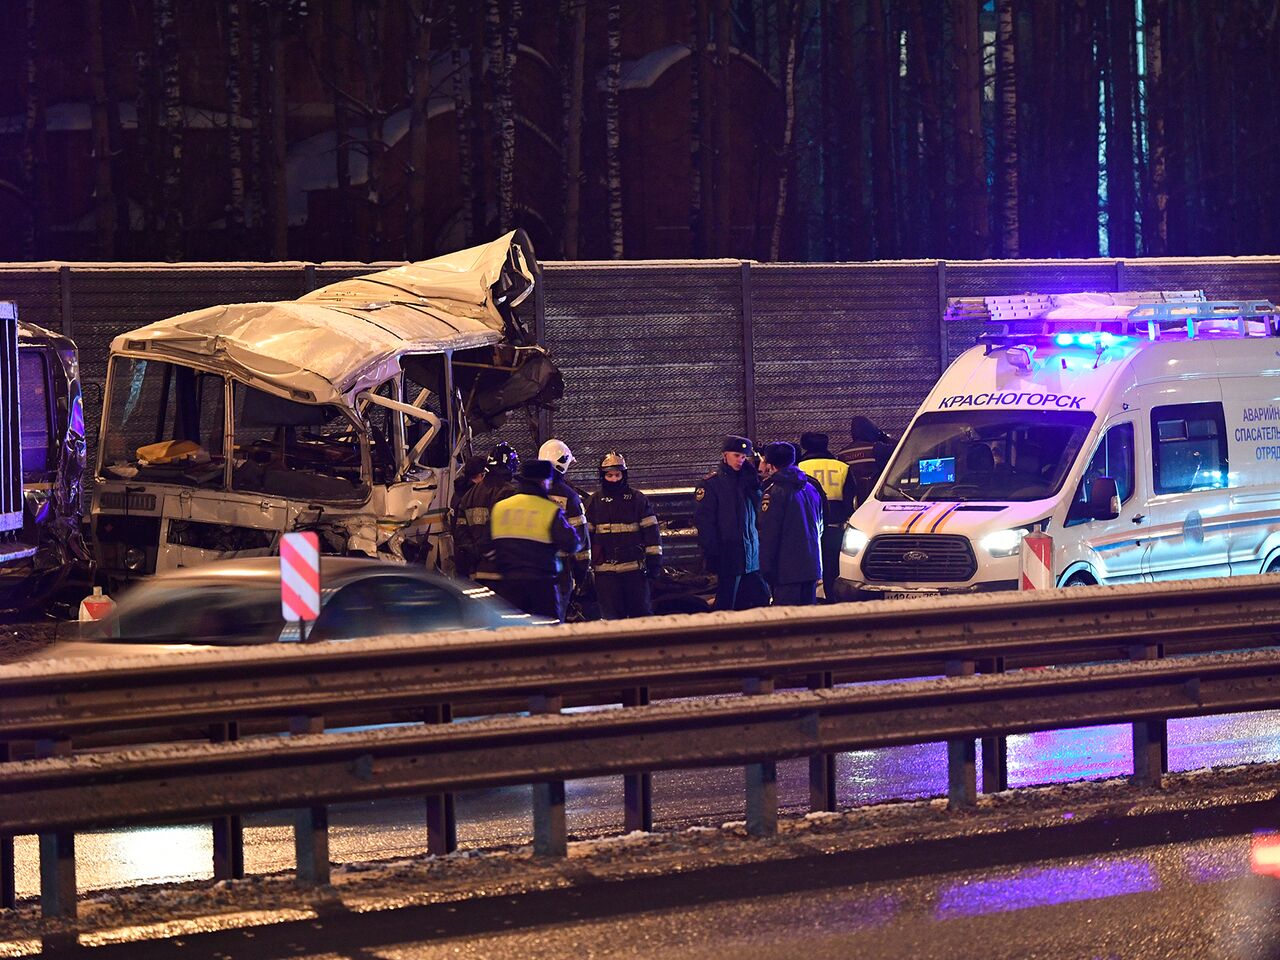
(237,603)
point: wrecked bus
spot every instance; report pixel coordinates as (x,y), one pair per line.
(348,412)
(42,451)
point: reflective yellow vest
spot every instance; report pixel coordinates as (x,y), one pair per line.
(830,474)
(523,517)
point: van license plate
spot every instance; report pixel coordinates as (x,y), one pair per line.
(908,594)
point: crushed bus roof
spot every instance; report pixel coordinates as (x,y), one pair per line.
(317,346)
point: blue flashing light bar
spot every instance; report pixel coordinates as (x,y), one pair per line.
(1102,340)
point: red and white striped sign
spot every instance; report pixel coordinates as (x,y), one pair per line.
(300,576)
(1037,562)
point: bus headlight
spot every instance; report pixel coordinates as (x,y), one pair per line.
(853,542)
(1003,543)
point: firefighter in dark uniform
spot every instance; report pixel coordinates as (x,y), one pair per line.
(840,496)
(576,572)
(473,548)
(728,502)
(868,453)
(530,534)
(790,530)
(626,546)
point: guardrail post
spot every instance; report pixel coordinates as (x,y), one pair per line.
(57,854)
(228,831)
(762,779)
(550,838)
(442,816)
(8,867)
(310,824)
(822,766)
(995,750)
(1150,737)
(637,788)
(962,755)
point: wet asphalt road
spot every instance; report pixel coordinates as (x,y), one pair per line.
(492,818)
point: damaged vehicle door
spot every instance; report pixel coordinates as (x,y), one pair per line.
(347,412)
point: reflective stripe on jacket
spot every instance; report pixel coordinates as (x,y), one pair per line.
(624,529)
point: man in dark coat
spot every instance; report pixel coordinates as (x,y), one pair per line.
(530,535)
(790,531)
(867,455)
(839,487)
(473,547)
(728,502)
(626,547)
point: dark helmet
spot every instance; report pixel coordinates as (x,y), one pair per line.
(613,460)
(503,457)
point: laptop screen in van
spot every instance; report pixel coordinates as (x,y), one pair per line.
(938,470)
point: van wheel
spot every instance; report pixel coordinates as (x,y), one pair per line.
(1080,580)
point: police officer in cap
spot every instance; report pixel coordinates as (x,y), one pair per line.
(626,547)
(473,547)
(790,530)
(530,535)
(576,572)
(728,503)
(839,485)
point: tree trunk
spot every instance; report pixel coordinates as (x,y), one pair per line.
(699,169)
(786,161)
(481,85)
(882,164)
(1121,161)
(369,38)
(828,142)
(104,207)
(857,235)
(421,20)
(235,137)
(173,124)
(273,152)
(971,183)
(1007,153)
(1155,228)
(336,78)
(933,168)
(577,52)
(721,195)
(613,132)
(462,121)
(34,149)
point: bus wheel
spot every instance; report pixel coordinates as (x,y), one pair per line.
(1080,580)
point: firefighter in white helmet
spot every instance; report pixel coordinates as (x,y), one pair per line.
(626,547)
(575,570)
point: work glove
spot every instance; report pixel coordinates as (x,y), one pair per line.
(653,567)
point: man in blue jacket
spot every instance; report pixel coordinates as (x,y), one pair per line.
(790,530)
(728,502)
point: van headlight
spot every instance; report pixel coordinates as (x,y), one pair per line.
(853,542)
(1003,543)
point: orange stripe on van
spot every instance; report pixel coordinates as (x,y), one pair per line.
(937,524)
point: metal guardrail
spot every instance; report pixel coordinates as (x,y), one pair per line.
(57,795)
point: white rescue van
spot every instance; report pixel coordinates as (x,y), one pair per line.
(1141,431)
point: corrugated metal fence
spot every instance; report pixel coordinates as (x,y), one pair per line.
(662,358)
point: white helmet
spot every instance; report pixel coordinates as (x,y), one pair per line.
(558,452)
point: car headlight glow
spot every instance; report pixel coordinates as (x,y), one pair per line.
(1003,543)
(853,542)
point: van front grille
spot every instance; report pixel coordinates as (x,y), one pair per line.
(928,557)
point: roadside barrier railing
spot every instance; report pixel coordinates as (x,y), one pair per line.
(58,792)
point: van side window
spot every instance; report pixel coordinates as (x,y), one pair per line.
(1189,451)
(1113,458)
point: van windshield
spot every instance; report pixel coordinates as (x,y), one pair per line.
(1001,455)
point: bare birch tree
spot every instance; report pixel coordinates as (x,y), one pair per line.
(235,135)
(575,12)
(971,184)
(104,208)
(173,122)
(1007,152)
(34,141)
(613,130)
(1155,228)
(421,21)
(793,14)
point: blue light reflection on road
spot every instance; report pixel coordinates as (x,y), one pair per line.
(1038,887)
